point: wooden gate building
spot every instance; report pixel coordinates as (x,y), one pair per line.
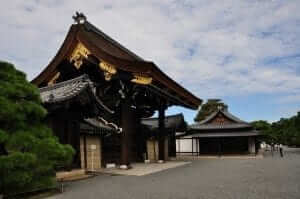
(94,77)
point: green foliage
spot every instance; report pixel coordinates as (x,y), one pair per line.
(284,131)
(265,129)
(208,108)
(28,150)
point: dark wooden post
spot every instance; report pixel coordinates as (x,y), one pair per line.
(161,127)
(219,146)
(192,146)
(126,122)
(84,151)
(198,141)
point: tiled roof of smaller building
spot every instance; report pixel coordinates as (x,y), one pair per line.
(226,113)
(64,90)
(223,134)
(98,126)
(103,124)
(206,125)
(223,126)
(173,121)
(69,89)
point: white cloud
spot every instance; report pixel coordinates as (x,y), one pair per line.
(214,48)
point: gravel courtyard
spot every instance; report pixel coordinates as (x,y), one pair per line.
(267,178)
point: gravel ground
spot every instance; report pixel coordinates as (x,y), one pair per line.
(267,178)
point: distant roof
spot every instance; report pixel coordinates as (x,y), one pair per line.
(223,126)
(226,113)
(171,122)
(105,48)
(222,134)
(205,125)
(66,90)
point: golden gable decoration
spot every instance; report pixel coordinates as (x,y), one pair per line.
(140,79)
(53,79)
(109,70)
(79,53)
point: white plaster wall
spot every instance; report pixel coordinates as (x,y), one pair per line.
(186,145)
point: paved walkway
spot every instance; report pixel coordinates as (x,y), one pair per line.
(141,169)
(190,157)
(266,178)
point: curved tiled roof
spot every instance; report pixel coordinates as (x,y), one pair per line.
(64,90)
(69,89)
(226,113)
(102,124)
(205,125)
(172,121)
(222,134)
(223,126)
(105,48)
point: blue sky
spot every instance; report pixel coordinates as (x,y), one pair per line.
(244,52)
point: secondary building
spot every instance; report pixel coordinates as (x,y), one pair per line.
(220,133)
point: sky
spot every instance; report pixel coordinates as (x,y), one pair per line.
(246,53)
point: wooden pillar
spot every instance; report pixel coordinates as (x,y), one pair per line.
(161,127)
(198,140)
(220,146)
(127,123)
(192,146)
(84,151)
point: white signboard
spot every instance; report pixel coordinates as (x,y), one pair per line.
(93,147)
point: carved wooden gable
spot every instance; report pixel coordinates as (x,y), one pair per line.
(221,119)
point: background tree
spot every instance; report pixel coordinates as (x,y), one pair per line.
(209,107)
(266,130)
(28,150)
(285,131)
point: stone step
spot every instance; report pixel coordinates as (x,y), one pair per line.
(69,174)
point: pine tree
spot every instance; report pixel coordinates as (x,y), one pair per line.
(208,108)
(29,152)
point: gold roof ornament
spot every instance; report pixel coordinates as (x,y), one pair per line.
(109,70)
(53,79)
(139,79)
(79,53)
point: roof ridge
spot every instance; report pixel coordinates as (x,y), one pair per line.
(226,113)
(90,26)
(233,117)
(213,114)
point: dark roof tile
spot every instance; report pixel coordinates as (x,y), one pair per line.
(173,121)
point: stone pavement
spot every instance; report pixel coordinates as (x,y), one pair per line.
(141,169)
(189,157)
(265,178)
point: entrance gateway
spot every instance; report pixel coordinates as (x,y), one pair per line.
(96,92)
